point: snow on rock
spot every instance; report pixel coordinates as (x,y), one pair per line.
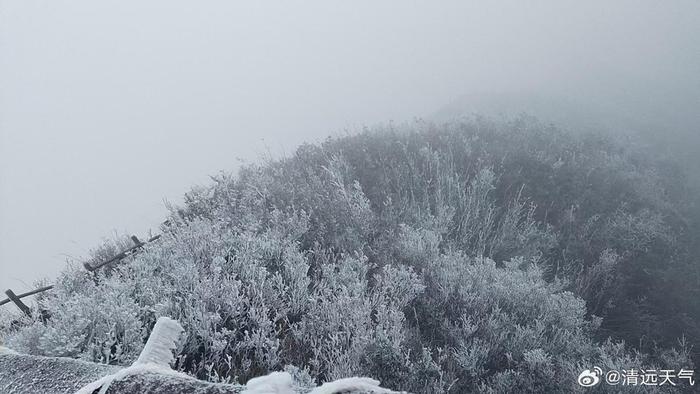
(161,343)
(4,350)
(23,374)
(150,373)
(155,357)
(157,384)
(351,385)
(274,383)
(104,383)
(282,383)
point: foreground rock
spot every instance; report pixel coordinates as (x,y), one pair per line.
(150,373)
(23,374)
(20,374)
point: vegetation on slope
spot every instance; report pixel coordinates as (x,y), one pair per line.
(474,256)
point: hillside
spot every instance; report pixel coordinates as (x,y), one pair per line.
(470,256)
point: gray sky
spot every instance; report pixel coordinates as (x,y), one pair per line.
(109,107)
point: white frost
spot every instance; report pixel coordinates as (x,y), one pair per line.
(274,383)
(161,343)
(155,357)
(135,369)
(350,385)
(4,350)
(158,354)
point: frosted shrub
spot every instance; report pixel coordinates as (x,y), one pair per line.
(506,329)
(96,323)
(460,258)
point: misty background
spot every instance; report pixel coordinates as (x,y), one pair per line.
(109,108)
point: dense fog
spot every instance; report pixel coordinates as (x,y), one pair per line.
(326,197)
(108,108)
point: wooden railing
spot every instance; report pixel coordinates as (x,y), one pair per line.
(121,255)
(17,298)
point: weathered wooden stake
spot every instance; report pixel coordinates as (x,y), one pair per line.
(27,294)
(13,297)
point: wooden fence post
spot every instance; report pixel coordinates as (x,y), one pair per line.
(13,297)
(27,294)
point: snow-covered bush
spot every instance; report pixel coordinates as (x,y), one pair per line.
(466,258)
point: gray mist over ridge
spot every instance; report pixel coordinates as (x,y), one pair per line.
(108,109)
